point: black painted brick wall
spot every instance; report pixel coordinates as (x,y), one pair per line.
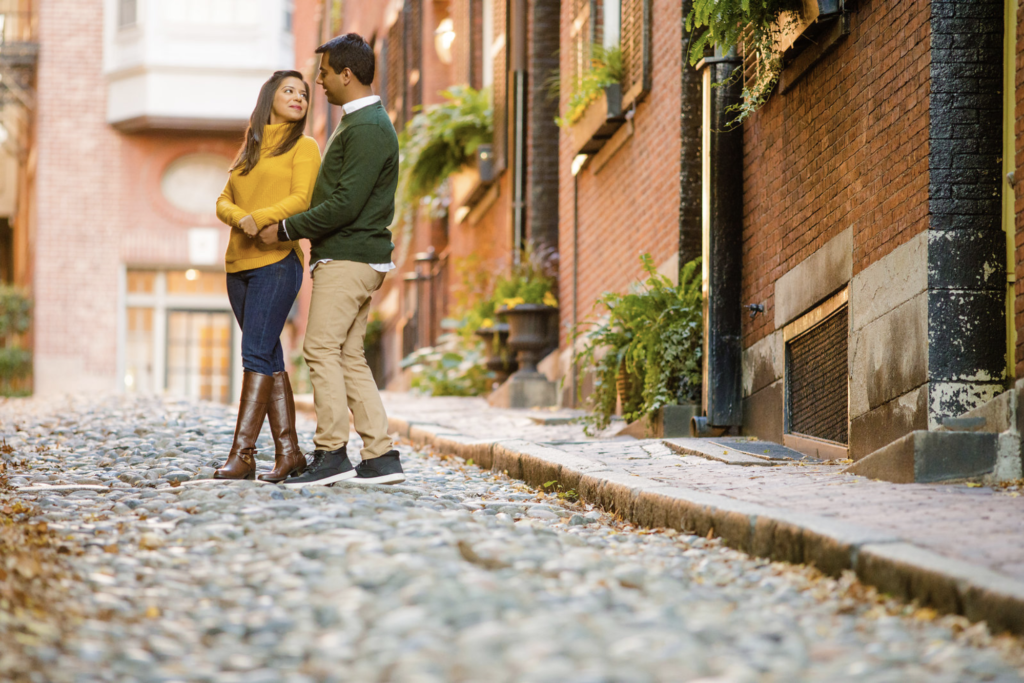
(542,132)
(966,260)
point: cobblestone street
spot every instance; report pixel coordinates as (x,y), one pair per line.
(461,575)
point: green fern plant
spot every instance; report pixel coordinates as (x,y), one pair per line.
(756,24)
(654,333)
(606,68)
(441,139)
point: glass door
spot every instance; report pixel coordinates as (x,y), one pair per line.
(199,354)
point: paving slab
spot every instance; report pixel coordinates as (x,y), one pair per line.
(803,510)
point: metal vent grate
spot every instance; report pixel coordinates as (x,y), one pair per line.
(818,380)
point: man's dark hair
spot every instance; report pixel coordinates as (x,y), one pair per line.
(351,51)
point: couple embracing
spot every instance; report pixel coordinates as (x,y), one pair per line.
(280,191)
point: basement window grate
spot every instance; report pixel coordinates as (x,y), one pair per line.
(818,381)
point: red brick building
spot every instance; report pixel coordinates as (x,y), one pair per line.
(425,47)
(874,229)
(139,111)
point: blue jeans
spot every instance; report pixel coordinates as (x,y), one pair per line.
(261,299)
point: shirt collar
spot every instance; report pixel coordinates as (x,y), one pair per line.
(356,105)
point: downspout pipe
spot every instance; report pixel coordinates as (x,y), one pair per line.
(721,239)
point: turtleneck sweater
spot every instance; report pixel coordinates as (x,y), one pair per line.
(277,187)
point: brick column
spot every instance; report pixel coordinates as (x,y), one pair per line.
(966,244)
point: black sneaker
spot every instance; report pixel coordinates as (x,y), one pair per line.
(383,470)
(327,467)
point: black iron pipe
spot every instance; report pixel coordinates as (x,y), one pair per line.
(722,239)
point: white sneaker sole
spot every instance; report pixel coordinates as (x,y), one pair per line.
(396,478)
(326,481)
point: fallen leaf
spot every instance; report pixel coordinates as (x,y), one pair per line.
(973,485)
(152,612)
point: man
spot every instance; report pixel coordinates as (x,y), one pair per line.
(347,225)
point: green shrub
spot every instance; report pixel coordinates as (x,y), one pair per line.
(655,334)
(15,362)
(443,138)
(455,367)
(756,23)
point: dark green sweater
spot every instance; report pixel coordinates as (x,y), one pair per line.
(353,200)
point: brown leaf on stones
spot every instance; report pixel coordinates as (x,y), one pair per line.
(470,555)
(32,569)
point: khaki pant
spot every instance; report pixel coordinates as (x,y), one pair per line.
(341,379)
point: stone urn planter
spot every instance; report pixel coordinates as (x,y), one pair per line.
(528,333)
(500,359)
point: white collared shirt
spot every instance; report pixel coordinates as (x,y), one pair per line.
(354,105)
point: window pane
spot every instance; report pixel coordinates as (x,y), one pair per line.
(141,281)
(197,282)
(126,13)
(199,355)
(612,17)
(138,366)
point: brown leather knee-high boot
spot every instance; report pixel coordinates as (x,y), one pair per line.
(288,458)
(252,409)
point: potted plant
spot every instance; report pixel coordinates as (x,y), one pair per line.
(476,303)
(594,110)
(442,139)
(756,24)
(527,301)
(481,323)
(654,334)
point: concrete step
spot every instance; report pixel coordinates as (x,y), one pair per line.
(924,457)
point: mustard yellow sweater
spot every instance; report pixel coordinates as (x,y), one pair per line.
(277,188)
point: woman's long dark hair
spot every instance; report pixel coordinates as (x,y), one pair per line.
(249,155)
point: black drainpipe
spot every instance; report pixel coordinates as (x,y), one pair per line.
(518,35)
(722,241)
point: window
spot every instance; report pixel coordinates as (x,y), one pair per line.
(487,44)
(636,50)
(817,375)
(127,11)
(395,68)
(179,335)
(199,354)
(611,23)
(581,34)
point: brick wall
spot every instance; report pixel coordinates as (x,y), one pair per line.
(847,147)
(632,205)
(98,203)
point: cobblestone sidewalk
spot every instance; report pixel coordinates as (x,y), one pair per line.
(982,526)
(462,575)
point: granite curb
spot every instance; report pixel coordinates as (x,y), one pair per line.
(880,559)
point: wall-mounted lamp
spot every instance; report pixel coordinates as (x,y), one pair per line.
(444,36)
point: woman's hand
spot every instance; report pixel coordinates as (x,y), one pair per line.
(248,226)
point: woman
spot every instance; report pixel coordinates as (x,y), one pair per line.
(271,179)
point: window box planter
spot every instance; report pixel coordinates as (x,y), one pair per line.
(471,183)
(600,121)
